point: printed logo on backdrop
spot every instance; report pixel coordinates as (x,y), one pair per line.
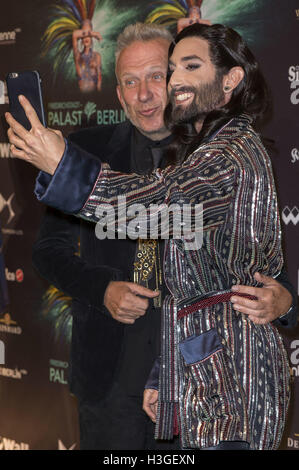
(58,371)
(7,443)
(5,150)
(61,446)
(293,442)
(15,374)
(14,276)
(75,113)
(294,155)
(3,92)
(294,85)
(2,353)
(8,325)
(9,37)
(294,358)
(290,215)
(6,205)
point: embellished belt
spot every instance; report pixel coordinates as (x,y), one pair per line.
(210,299)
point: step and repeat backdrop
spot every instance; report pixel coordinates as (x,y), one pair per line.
(37,410)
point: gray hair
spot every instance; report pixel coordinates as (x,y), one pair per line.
(140,32)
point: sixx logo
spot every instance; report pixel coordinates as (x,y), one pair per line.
(294,155)
(290,215)
(294,79)
(294,358)
(11,444)
(17,276)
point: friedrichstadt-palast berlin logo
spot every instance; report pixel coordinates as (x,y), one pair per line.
(72,113)
(57,371)
(290,215)
(175,221)
(294,79)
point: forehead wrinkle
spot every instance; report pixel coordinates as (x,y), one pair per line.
(154,68)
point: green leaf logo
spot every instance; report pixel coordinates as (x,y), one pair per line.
(89,109)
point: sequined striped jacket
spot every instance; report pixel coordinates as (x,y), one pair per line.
(222,377)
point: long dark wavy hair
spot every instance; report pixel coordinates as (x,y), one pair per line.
(252,96)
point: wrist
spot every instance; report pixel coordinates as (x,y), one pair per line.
(285,314)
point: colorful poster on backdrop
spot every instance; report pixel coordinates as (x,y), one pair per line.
(71,43)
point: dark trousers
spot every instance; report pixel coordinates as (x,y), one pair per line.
(118,423)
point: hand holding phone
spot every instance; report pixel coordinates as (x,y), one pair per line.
(40,146)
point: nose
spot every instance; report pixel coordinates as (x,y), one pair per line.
(144,91)
(175,79)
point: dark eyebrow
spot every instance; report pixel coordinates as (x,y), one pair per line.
(186,58)
(191,57)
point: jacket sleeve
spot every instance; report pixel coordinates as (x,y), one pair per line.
(56,258)
(86,195)
(290,319)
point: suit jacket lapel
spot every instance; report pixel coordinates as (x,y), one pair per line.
(118,150)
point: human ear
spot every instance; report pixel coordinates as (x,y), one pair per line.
(232,79)
(119,95)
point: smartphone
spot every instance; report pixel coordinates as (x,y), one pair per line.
(26,83)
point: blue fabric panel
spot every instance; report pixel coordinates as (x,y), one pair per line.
(153,379)
(196,348)
(70,186)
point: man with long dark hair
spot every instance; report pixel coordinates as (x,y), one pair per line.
(223,379)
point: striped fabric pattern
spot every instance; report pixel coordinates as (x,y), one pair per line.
(240,391)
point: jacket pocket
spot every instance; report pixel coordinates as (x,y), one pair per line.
(197,348)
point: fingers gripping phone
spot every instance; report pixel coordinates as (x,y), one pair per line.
(26,83)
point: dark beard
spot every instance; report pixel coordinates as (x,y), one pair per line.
(207,97)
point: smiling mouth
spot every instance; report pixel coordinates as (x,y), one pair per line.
(182,97)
